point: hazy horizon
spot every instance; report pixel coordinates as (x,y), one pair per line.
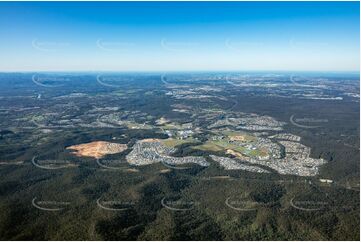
(179,36)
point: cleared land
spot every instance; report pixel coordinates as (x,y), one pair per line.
(97,149)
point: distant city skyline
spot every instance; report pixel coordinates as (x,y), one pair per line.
(179,36)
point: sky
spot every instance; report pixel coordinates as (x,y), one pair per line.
(179,36)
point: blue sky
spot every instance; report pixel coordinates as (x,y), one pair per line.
(179,36)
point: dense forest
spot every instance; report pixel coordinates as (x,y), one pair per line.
(89,202)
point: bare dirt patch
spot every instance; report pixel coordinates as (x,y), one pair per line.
(97,149)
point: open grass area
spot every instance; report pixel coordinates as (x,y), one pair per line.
(171,126)
(223,145)
(37,118)
(209,146)
(260,152)
(174,142)
(133,125)
(236,134)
